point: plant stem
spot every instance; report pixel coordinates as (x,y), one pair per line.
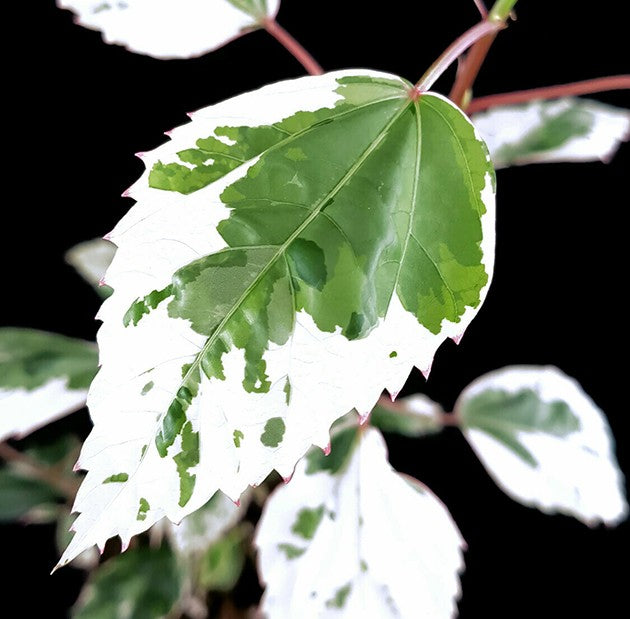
(292,46)
(481,7)
(475,59)
(454,51)
(615,82)
(34,468)
(445,419)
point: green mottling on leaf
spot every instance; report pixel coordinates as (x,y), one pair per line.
(393,354)
(29,359)
(340,597)
(143,450)
(364,566)
(291,551)
(342,445)
(553,132)
(238,437)
(324,223)
(307,522)
(143,509)
(119,477)
(273,433)
(256,8)
(147,388)
(186,459)
(505,415)
(142,307)
(287,391)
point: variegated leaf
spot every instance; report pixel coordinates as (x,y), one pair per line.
(43,377)
(171,28)
(362,541)
(293,251)
(415,415)
(556,130)
(545,442)
(91,259)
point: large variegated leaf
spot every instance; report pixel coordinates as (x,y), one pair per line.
(557,130)
(545,442)
(171,28)
(363,541)
(91,259)
(43,376)
(293,251)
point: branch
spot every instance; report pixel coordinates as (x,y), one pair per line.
(467,76)
(34,468)
(615,82)
(292,46)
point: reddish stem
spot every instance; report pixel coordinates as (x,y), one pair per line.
(615,82)
(481,7)
(292,46)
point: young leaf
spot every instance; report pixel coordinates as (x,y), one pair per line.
(91,259)
(222,563)
(171,28)
(363,542)
(545,442)
(199,530)
(557,130)
(43,376)
(143,583)
(20,495)
(285,244)
(415,415)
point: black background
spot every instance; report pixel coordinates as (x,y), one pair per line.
(80,109)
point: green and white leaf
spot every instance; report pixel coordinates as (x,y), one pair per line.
(292,253)
(171,28)
(91,259)
(88,559)
(199,530)
(544,442)
(142,583)
(557,130)
(43,377)
(416,415)
(361,542)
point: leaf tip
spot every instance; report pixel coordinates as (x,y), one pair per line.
(76,467)
(327,449)
(457,338)
(140,154)
(237,502)
(363,417)
(286,480)
(426,372)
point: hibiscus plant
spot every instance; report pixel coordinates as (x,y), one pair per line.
(291,255)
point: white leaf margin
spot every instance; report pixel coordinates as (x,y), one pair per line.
(166,29)
(504,125)
(383,534)
(578,475)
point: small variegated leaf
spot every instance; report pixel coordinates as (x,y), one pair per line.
(171,28)
(544,442)
(142,583)
(43,377)
(556,130)
(91,259)
(415,415)
(199,530)
(293,251)
(221,565)
(361,542)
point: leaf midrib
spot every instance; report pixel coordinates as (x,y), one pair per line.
(282,248)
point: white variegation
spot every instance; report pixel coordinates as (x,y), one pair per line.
(504,126)
(167,28)
(384,539)
(91,259)
(576,474)
(23,411)
(160,234)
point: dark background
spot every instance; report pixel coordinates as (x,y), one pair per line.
(79,109)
